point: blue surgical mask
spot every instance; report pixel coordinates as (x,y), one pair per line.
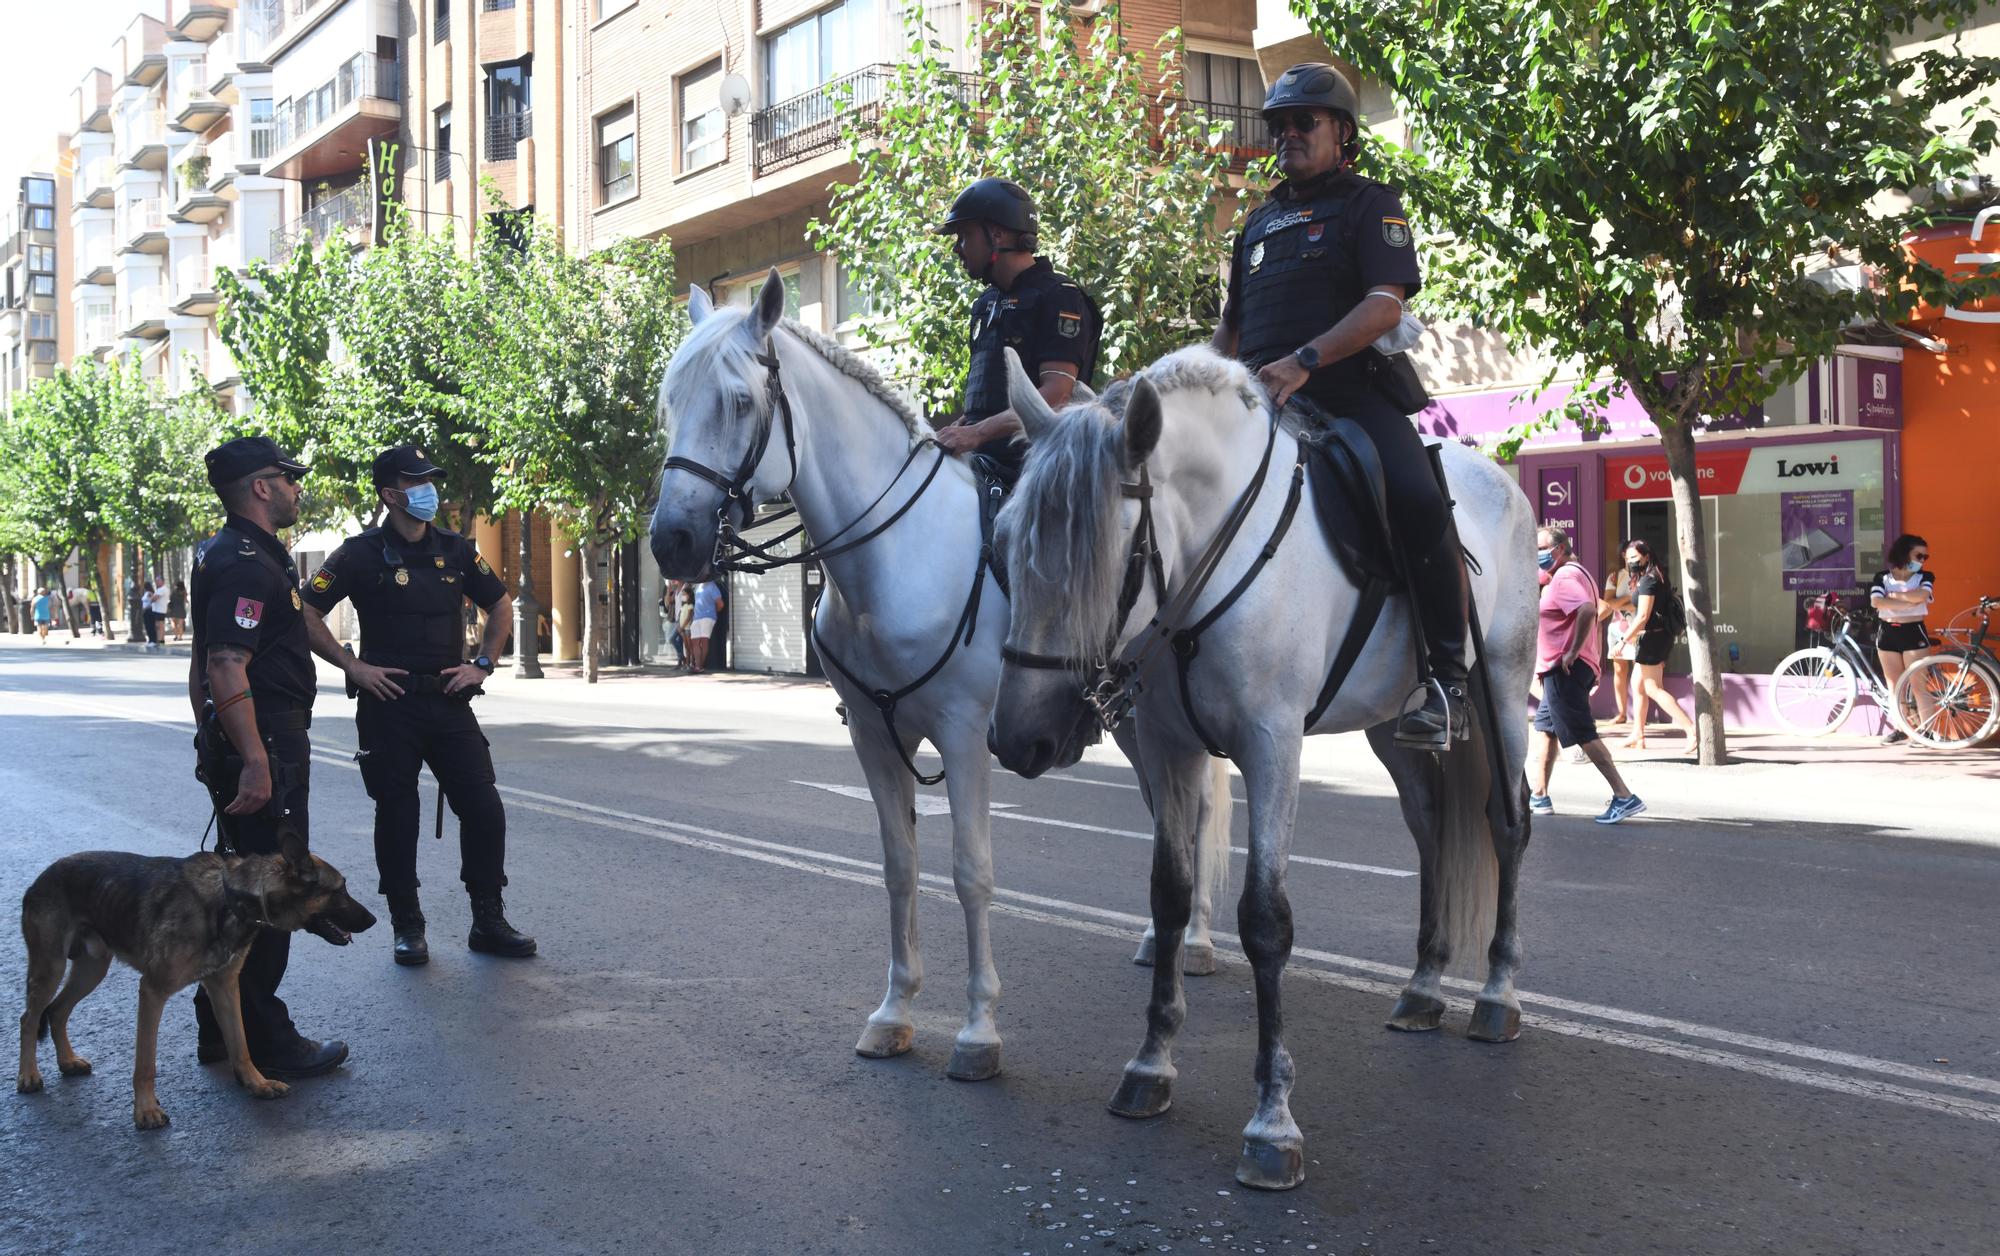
(1916,565)
(421,501)
(1545,559)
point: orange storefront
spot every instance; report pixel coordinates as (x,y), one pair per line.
(1951,424)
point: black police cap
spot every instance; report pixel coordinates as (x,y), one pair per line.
(998,201)
(232,460)
(403,460)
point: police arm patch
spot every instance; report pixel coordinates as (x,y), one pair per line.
(1069,326)
(480,563)
(1396,233)
(249,612)
(322,580)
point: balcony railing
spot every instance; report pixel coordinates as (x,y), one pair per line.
(141,216)
(344,212)
(93,177)
(261,22)
(494,6)
(1245,135)
(504,133)
(194,274)
(263,138)
(144,129)
(363,74)
(98,330)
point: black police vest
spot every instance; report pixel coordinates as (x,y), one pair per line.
(1299,274)
(280,671)
(411,602)
(1007,327)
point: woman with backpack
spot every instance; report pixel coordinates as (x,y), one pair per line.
(1655,612)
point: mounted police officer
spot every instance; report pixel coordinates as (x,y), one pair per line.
(1320,272)
(252,686)
(1028,306)
(409,580)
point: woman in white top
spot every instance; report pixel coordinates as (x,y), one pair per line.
(1621,644)
(1901,596)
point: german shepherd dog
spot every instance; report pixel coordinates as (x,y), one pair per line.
(177,921)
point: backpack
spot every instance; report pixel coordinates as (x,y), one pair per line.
(1673,612)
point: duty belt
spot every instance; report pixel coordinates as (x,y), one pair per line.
(288,720)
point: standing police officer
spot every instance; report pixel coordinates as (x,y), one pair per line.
(251,685)
(409,580)
(1042,315)
(1320,272)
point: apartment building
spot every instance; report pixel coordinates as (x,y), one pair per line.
(34,270)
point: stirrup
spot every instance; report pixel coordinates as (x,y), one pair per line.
(1437,740)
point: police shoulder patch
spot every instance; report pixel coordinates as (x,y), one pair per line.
(322,580)
(481,564)
(1395,233)
(1069,326)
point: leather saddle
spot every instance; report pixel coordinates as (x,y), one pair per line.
(1344,473)
(994,480)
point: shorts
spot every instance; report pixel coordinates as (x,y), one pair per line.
(1896,638)
(701,628)
(1564,711)
(1654,647)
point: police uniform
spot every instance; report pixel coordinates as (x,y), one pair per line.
(246,593)
(1044,317)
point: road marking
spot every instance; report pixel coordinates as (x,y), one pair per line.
(926,804)
(1364,975)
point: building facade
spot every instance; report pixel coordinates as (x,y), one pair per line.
(34,271)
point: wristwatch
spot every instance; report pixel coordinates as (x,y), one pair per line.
(1306,356)
(484,663)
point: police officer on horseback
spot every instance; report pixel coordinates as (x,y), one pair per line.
(1319,273)
(1028,306)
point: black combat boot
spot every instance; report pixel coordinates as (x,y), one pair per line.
(491,934)
(406,921)
(1441,593)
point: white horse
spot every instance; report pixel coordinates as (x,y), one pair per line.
(760,407)
(1190,442)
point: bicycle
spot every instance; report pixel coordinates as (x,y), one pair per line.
(1947,700)
(1812,690)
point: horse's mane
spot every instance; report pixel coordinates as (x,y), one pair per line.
(1067,502)
(714,345)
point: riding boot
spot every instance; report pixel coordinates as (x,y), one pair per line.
(491,934)
(406,921)
(1442,594)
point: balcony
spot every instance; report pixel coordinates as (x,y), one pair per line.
(145,318)
(92,188)
(504,133)
(324,131)
(202,20)
(1244,134)
(343,214)
(142,225)
(199,201)
(200,112)
(146,141)
(194,288)
(146,68)
(259,23)
(96,330)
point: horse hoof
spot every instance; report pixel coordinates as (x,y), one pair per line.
(1415,1013)
(1144,957)
(1198,959)
(1271,1166)
(1494,1022)
(974,1062)
(1142,1097)
(879,1042)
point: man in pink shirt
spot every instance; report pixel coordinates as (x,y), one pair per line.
(1566,661)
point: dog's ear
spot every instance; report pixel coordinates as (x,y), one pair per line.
(292,845)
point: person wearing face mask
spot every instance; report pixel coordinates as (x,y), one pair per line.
(1566,661)
(409,580)
(1901,596)
(1318,275)
(1028,306)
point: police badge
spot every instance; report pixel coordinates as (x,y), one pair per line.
(402,575)
(296,604)
(1257,255)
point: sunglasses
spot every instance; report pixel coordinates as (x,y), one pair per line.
(1303,121)
(1923,557)
(289,477)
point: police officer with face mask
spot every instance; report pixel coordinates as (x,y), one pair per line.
(409,580)
(1028,306)
(1319,273)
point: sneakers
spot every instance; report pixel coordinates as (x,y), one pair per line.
(1621,809)
(1541,804)
(1895,737)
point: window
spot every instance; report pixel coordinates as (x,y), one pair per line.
(41,257)
(850,302)
(605,8)
(494,6)
(42,351)
(818,49)
(1223,80)
(442,170)
(440,21)
(41,326)
(704,136)
(41,192)
(617,156)
(45,285)
(508,94)
(42,220)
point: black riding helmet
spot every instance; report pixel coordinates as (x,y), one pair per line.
(998,202)
(1316,85)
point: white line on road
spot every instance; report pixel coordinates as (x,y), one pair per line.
(1325,966)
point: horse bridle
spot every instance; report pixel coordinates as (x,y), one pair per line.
(777,409)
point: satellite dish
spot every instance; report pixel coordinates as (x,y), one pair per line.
(735,94)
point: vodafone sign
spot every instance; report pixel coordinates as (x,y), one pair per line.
(1645,479)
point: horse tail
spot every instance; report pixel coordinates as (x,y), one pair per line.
(1212,854)
(1468,865)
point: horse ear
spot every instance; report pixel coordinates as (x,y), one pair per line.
(770,304)
(1143,421)
(699,306)
(1026,401)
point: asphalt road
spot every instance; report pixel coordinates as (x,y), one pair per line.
(1742,1035)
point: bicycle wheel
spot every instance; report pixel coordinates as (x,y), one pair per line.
(1812,691)
(1949,701)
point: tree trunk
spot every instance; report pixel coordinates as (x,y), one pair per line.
(1691,533)
(135,569)
(10,604)
(527,631)
(591,620)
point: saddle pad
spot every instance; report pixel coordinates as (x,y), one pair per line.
(1344,471)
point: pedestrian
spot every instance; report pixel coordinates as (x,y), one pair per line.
(79,610)
(409,580)
(1655,634)
(670,620)
(151,604)
(684,622)
(1901,596)
(1566,663)
(708,604)
(96,617)
(1620,645)
(251,684)
(45,613)
(177,608)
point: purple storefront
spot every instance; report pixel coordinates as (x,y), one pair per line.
(1801,497)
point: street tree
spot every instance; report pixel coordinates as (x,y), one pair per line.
(1640,191)
(566,383)
(1127,178)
